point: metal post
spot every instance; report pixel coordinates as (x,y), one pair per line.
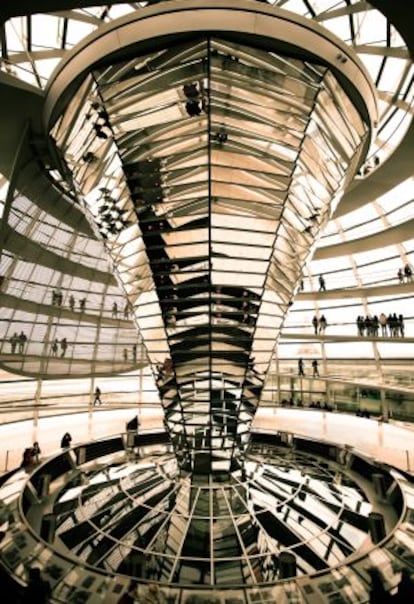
(38,400)
(384,406)
(278,380)
(140,384)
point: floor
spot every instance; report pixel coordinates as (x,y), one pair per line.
(391,443)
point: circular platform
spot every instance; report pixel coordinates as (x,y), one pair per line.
(304,522)
(143,519)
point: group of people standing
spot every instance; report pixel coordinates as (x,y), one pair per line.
(18,342)
(72,303)
(315,368)
(55,347)
(125,353)
(405,275)
(319,324)
(59,347)
(115,311)
(390,326)
(57,300)
(321,282)
(31,455)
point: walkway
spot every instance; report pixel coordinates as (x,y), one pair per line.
(391,443)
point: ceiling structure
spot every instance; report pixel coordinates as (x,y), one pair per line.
(173,204)
(63,229)
(49,246)
(386,55)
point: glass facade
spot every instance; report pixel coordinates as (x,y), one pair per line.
(210,224)
(363,246)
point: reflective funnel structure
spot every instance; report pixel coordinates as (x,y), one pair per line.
(208,152)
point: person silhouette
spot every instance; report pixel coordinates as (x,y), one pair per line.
(36,451)
(14,340)
(63,346)
(322,283)
(22,342)
(66,440)
(54,348)
(97,400)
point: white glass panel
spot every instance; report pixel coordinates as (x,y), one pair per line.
(77,30)
(16,34)
(45,31)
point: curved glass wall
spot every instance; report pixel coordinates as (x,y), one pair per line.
(378,231)
(57,295)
